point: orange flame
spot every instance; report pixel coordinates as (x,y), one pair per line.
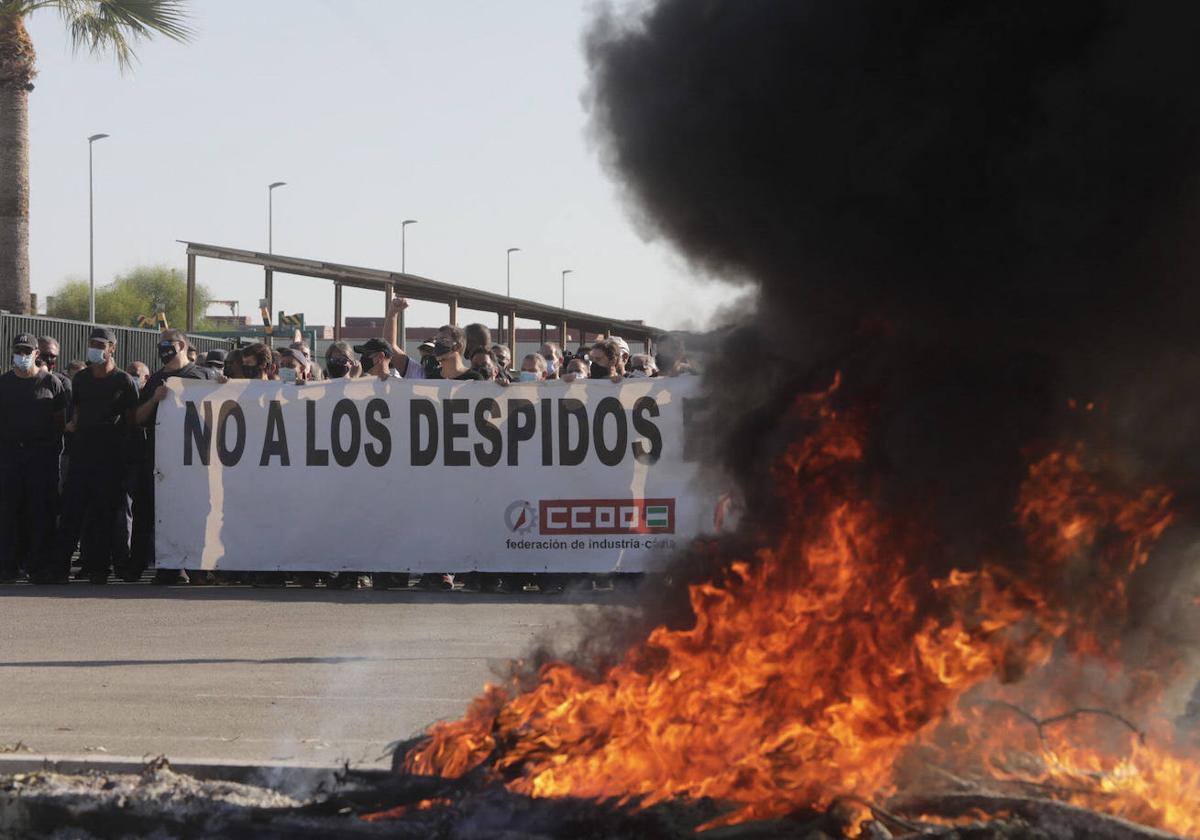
(812,668)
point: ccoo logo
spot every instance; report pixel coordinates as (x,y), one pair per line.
(520,517)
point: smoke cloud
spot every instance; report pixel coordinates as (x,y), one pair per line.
(982,213)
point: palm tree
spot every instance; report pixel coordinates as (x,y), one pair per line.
(100,26)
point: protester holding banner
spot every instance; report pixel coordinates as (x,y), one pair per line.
(293,367)
(533,368)
(102,413)
(340,362)
(503,359)
(484,363)
(33,404)
(577,368)
(607,361)
(451,364)
(172,352)
(255,361)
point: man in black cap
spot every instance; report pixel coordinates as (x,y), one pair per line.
(32,415)
(103,401)
(215,360)
(172,352)
(375,354)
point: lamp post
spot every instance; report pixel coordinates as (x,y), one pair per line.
(566,271)
(508,268)
(269,274)
(271,214)
(403,245)
(92,234)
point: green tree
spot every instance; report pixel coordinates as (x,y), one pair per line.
(132,294)
(100,26)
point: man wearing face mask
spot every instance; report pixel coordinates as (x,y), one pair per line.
(533,368)
(554,359)
(32,414)
(256,361)
(294,368)
(172,352)
(102,414)
(606,361)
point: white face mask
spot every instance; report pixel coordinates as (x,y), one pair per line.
(551,366)
(529,376)
(22,361)
(95,356)
(287,374)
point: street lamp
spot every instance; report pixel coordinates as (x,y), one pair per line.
(269,274)
(508,268)
(92,234)
(403,246)
(566,271)
(271,214)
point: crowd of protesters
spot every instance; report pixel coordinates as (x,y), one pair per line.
(77,439)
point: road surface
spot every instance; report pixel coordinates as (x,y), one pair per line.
(234,674)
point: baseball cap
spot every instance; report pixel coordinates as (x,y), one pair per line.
(372,345)
(215,357)
(25,341)
(103,334)
(620,342)
(426,343)
(441,347)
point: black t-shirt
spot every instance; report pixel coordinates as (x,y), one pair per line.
(100,403)
(27,409)
(189,371)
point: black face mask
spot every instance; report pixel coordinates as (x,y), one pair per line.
(599,372)
(338,367)
(664,361)
(431,366)
(167,352)
(365,361)
(250,371)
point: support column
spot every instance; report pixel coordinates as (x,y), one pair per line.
(512,336)
(269,290)
(454,311)
(542,333)
(337,311)
(562,335)
(500,328)
(191,292)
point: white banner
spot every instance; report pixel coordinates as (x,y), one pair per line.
(363,475)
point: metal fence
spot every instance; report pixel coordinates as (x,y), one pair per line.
(133,345)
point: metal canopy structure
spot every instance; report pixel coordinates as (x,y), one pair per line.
(415,287)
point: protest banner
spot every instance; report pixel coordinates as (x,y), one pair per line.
(427,476)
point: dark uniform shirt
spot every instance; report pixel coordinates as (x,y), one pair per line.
(189,371)
(27,409)
(100,403)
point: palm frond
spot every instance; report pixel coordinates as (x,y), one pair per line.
(21,8)
(113,26)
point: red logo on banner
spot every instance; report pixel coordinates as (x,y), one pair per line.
(606,516)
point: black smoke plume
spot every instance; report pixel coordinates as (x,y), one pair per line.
(975,210)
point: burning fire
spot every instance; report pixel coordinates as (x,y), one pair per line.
(813,666)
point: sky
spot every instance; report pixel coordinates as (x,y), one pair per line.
(469,117)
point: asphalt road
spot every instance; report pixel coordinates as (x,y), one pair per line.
(233,674)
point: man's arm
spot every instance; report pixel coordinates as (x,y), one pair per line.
(390,331)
